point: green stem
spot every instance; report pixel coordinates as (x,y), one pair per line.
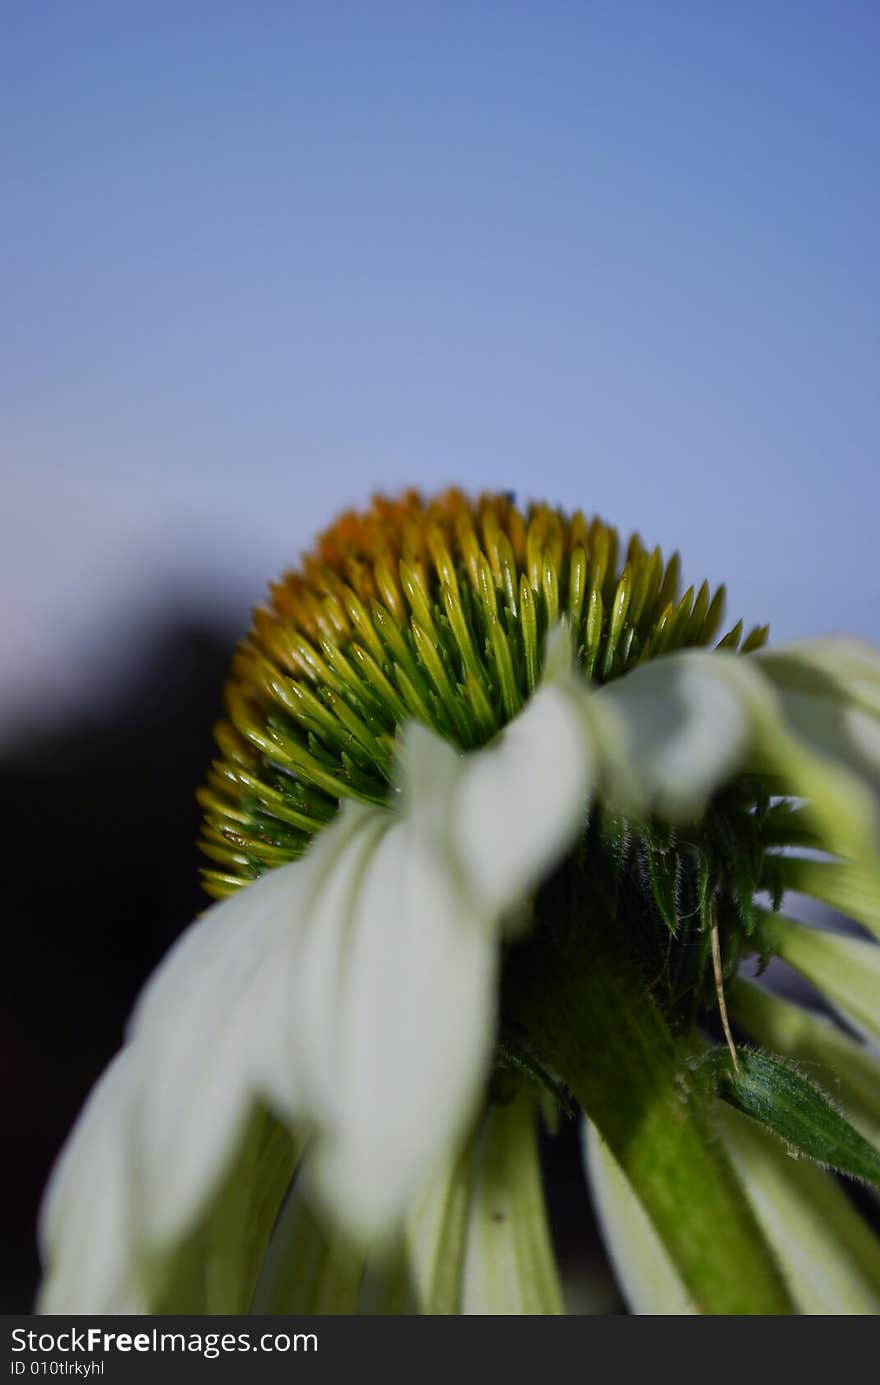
(590,1015)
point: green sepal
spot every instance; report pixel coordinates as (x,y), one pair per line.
(744,892)
(615,836)
(775,1095)
(664,873)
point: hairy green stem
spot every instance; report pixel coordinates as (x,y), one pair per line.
(590,1015)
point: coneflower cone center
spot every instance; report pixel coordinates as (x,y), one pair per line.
(438,610)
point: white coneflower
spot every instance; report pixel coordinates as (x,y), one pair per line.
(491,827)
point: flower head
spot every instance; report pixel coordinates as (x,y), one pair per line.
(494,827)
(436,612)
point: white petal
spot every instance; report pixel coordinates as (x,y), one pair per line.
(194,1032)
(375,1020)
(845,970)
(85,1220)
(215,1268)
(840,730)
(843,668)
(308,1268)
(844,887)
(829,1258)
(671,732)
(510,1267)
(194,1098)
(169,1114)
(312,1267)
(435,1238)
(824,739)
(645,1272)
(518,804)
(296,1009)
(392,1008)
(411,1023)
(675,728)
(423,1271)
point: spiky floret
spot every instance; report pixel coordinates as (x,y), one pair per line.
(434,609)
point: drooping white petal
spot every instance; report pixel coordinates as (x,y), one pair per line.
(152,1144)
(841,732)
(410,1027)
(309,1269)
(517,805)
(388,1003)
(823,737)
(85,1231)
(845,970)
(833,751)
(648,1277)
(829,1258)
(421,1270)
(510,1267)
(296,1012)
(435,1237)
(215,1268)
(843,1067)
(671,732)
(845,669)
(839,884)
(414,1016)
(194,1030)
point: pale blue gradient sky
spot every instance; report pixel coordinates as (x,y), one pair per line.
(261,259)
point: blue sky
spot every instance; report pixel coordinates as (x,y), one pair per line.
(262,259)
